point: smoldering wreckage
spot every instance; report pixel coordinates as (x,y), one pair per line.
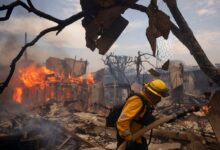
(59,105)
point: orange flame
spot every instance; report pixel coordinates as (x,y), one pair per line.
(90,79)
(40,84)
(205,109)
(77,80)
(17,96)
(33,75)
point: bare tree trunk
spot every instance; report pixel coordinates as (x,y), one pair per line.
(186,36)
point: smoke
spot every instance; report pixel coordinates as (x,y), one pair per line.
(8,50)
(42,127)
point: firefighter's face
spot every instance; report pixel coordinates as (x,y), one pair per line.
(154,98)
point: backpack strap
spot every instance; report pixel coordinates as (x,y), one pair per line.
(145,105)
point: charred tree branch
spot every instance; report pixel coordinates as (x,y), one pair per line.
(9,8)
(30,4)
(70,20)
(139,7)
(7,16)
(181,22)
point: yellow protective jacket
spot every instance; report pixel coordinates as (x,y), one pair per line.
(126,125)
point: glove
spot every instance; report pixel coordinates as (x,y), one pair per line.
(128,138)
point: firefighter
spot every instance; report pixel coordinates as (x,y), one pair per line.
(137,112)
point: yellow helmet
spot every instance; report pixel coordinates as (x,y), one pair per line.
(157,87)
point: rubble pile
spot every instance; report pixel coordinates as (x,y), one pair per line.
(89,126)
(23,129)
(63,125)
(54,126)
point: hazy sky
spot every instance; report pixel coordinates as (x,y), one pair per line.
(201,15)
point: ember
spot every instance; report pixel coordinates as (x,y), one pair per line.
(205,109)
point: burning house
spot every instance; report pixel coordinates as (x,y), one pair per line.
(58,79)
